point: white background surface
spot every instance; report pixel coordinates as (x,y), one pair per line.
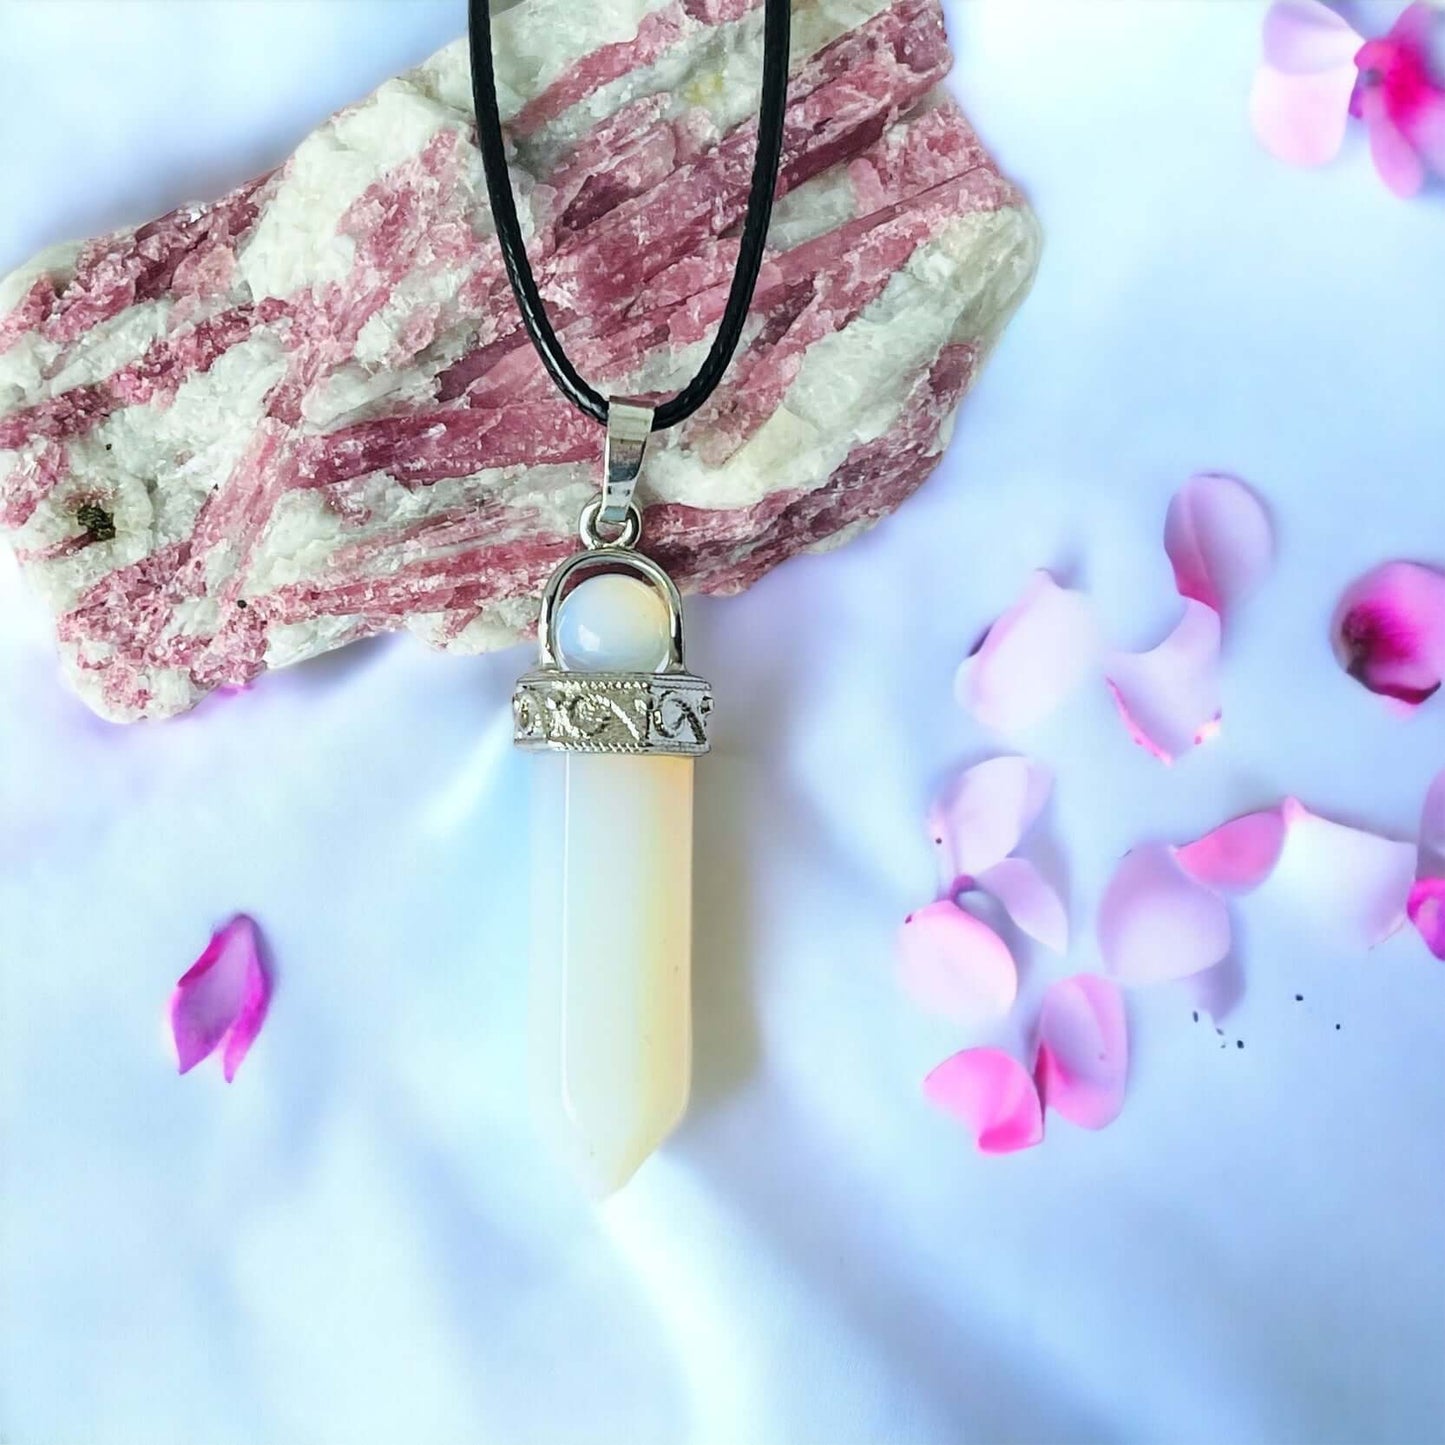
(357,1242)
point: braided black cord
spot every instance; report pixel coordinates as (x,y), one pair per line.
(585,398)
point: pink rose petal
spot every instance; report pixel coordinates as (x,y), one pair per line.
(1304,36)
(1427,912)
(1157,923)
(1432,828)
(1237,856)
(1354,886)
(982,815)
(221,999)
(1169,696)
(1301,119)
(993,1095)
(1219,539)
(1031,659)
(1389,631)
(954,964)
(1029,900)
(1083,1059)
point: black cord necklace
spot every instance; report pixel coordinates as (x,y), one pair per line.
(750,253)
(616,719)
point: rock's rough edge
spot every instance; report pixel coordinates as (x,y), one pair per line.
(252,431)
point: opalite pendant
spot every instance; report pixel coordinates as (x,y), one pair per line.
(617,721)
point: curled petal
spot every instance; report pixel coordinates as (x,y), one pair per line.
(1389,631)
(221,999)
(1353,885)
(1083,1060)
(1237,856)
(1157,923)
(1301,119)
(1305,36)
(1169,696)
(1031,659)
(993,1095)
(1219,539)
(1030,900)
(980,818)
(1427,912)
(955,965)
(1432,827)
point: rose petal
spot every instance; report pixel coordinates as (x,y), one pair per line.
(1397,161)
(1427,912)
(1157,923)
(1353,886)
(1303,36)
(1237,856)
(955,965)
(1169,696)
(1301,119)
(1032,658)
(982,815)
(1432,827)
(1389,631)
(1083,1059)
(221,999)
(1219,540)
(1029,900)
(993,1095)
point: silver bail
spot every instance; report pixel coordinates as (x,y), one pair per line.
(629,424)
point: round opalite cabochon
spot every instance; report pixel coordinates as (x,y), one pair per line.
(612,623)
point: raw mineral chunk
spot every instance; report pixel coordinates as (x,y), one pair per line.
(257,429)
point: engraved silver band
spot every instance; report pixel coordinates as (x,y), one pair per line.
(663,713)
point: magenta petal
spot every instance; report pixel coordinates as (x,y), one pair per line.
(980,818)
(221,999)
(1237,856)
(1031,659)
(954,964)
(1083,1059)
(1427,912)
(1352,885)
(1157,923)
(1029,900)
(1304,36)
(1219,539)
(1169,696)
(1399,164)
(993,1095)
(1389,631)
(1301,119)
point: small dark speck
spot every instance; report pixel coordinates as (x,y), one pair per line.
(939,841)
(1337,1028)
(1239,1043)
(1299,998)
(98,523)
(1219,1031)
(242,603)
(1196,1015)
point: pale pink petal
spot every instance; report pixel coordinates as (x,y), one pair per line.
(1219,539)
(221,999)
(1029,900)
(1397,161)
(1032,658)
(993,1095)
(1389,631)
(1238,855)
(1157,923)
(1432,828)
(1353,886)
(1083,1059)
(1427,912)
(1301,119)
(1301,36)
(955,965)
(980,818)
(1427,132)
(1169,696)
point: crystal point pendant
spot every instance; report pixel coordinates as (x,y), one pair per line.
(616,721)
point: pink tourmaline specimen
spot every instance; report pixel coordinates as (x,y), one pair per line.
(254,430)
